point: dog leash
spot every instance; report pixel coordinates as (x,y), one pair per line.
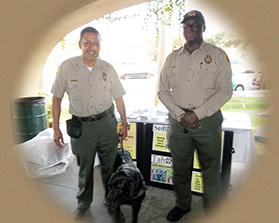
(122,150)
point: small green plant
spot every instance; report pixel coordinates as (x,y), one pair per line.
(48,106)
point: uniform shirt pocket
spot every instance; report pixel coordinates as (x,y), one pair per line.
(106,89)
(208,77)
(76,89)
(174,78)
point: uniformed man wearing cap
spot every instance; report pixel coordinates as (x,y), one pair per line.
(91,84)
(195,82)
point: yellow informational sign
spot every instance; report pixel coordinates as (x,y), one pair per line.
(196,164)
(129,143)
(160,141)
(197,182)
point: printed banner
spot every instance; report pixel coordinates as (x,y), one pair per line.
(161,169)
(160,141)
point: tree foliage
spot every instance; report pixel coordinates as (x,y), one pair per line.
(227,40)
(158,9)
(63,43)
(224,39)
(155,9)
(178,42)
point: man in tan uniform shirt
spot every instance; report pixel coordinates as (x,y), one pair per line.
(195,83)
(91,84)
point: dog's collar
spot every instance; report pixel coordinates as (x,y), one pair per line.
(127,166)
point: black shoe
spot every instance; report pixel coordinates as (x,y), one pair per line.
(117,215)
(79,214)
(176,214)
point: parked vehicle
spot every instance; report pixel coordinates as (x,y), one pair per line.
(261,80)
(243,80)
(136,75)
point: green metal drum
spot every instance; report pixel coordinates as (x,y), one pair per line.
(29,117)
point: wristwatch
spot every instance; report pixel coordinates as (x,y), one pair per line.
(126,124)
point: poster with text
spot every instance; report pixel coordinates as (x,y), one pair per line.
(160,141)
(161,169)
(129,143)
(197,182)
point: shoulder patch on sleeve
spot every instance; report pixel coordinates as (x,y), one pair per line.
(58,70)
(115,73)
(227,57)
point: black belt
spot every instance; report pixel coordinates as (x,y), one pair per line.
(94,118)
(187,110)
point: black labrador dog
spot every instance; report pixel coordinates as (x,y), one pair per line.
(124,186)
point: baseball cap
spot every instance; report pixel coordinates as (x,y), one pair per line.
(194,14)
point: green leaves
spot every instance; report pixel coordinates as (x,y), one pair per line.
(63,43)
(227,39)
(155,9)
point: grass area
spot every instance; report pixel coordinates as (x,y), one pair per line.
(250,105)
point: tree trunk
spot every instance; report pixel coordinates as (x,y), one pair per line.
(164,47)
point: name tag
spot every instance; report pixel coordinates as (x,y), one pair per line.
(74,80)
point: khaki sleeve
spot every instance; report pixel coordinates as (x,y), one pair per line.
(117,89)
(59,86)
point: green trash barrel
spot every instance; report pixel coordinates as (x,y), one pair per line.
(29,117)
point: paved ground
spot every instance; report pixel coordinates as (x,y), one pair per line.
(63,188)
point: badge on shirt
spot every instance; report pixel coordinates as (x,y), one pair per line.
(104,76)
(208,59)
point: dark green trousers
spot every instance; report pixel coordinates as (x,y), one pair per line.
(97,137)
(207,142)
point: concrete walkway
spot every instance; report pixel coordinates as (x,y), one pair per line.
(63,188)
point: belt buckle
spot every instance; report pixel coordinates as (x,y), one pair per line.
(92,118)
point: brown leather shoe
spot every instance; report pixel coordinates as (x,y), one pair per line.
(176,214)
(79,214)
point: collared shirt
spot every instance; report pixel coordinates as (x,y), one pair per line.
(201,81)
(90,92)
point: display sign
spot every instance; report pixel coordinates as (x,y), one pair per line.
(160,141)
(197,182)
(161,169)
(196,164)
(161,166)
(129,143)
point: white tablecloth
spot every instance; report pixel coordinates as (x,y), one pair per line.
(238,122)
(243,138)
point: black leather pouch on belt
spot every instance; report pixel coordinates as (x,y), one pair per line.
(74,127)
